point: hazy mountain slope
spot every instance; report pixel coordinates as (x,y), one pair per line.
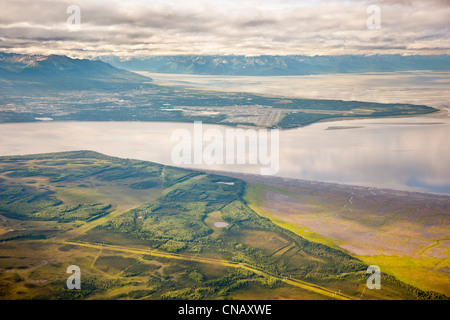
(61,72)
(281,65)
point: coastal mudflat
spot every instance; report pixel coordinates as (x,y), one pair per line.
(405,233)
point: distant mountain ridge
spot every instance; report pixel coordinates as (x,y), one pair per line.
(280,65)
(57,71)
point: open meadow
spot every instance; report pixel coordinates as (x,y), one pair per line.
(140,230)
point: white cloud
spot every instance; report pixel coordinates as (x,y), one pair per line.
(250,27)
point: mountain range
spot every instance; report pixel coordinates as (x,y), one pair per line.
(280,65)
(56,71)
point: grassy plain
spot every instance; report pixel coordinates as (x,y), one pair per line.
(140,230)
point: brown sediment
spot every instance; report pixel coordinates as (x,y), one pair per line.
(343,127)
(365,221)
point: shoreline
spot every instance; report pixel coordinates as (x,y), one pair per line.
(324,186)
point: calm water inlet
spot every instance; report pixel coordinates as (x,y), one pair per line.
(396,153)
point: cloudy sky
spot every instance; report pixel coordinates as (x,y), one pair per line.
(245,27)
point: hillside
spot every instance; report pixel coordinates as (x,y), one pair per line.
(61,72)
(143,230)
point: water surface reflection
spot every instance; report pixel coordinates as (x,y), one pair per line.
(400,153)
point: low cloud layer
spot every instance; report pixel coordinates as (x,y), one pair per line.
(245,27)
